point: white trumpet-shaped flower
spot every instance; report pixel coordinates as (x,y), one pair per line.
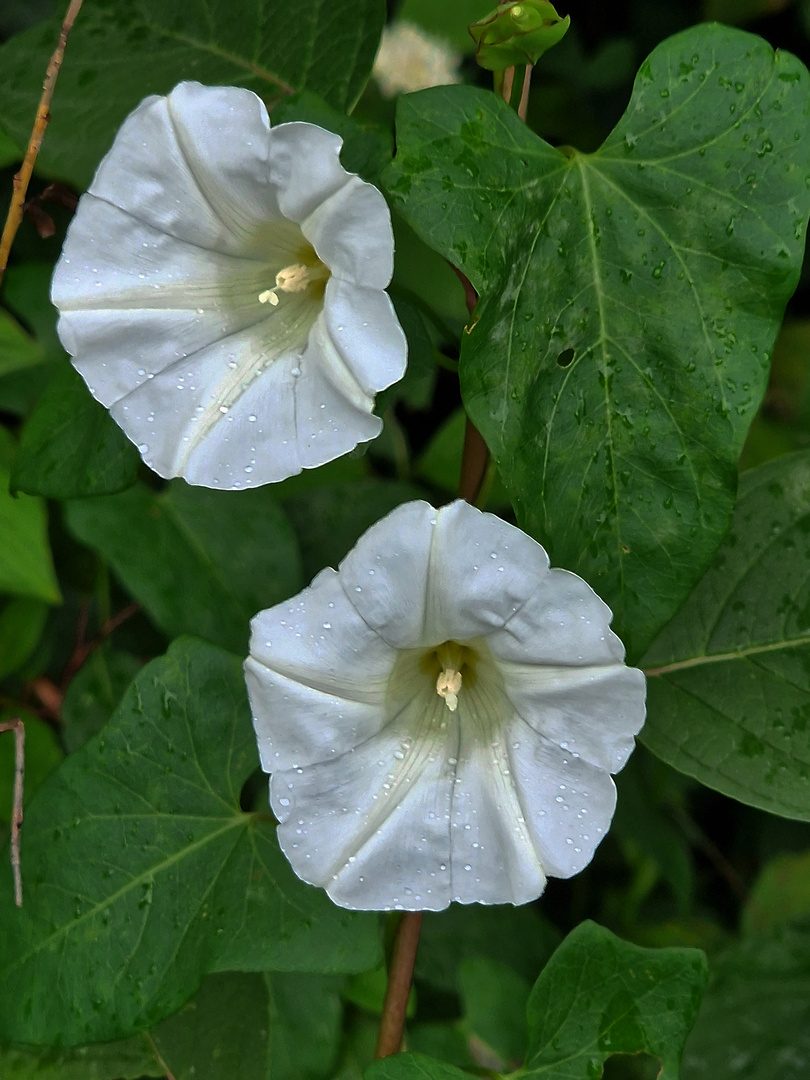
(441,716)
(221,290)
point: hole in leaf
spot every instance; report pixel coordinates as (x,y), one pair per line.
(639,1066)
(565,357)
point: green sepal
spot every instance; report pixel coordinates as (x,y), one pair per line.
(517,34)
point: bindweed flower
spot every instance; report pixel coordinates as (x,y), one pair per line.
(441,716)
(411,59)
(221,290)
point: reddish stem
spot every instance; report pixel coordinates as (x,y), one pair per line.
(400,975)
(18,728)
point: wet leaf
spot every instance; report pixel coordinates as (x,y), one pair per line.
(728,698)
(629,300)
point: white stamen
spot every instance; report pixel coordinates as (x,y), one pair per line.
(292,279)
(448,686)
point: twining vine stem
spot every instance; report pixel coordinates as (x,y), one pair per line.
(400,975)
(474,462)
(18,727)
(23,177)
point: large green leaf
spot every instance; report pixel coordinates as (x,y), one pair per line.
(238,1026)
(26,568)
(142,874)
(729,678)
(200,561)
(597,996)
(121,50)
(71,446)
(629,300)
(254,1027)
(754,1023)
(17,349)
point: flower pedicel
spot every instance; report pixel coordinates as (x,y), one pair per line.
(441,716)
(221,290)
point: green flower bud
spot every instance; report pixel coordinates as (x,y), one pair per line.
(517,34)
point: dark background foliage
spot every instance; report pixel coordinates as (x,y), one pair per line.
(683,864)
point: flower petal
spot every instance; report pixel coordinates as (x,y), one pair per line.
(567,803)
(592,712)
(195,181)
(481,571)
(194,418)
(111,260)
(351,232)
(304,167)
(365,331)
(333,412)
(317,677)
(385,575)
(562,622)
(371,827)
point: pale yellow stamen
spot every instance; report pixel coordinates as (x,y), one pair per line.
(293,279)
(448,684)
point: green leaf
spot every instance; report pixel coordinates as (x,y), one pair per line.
(94,693)
(71,446)
(597,996)
(254,1027)
(120,51)
(754,1023)
(125,1059)
(26,568)
(199,561)
(17,349)
(448,20)
(330,520)
(21,624)
(728,697)
(494,998)
(142,874)
(42,755)
(236,1027)
(9,154)
(518,937)
(629,300)
(780,893)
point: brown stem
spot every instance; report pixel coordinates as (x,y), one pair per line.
(475,457)
(474,462)
(18,728)
(524,93)
(400,974)
(23,177)
(83,649)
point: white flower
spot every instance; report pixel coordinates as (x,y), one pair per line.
(441,716)
(411,59)
(221,291)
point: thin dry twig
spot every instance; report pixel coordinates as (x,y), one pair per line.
(400,974)
(18,727)
(83,649)
(23,177)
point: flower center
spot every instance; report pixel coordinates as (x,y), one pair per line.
(448,682)
(297,277)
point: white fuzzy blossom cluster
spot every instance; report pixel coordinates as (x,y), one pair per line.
(442,715)
(411,59)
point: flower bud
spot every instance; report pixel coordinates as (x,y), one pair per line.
(517,34)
